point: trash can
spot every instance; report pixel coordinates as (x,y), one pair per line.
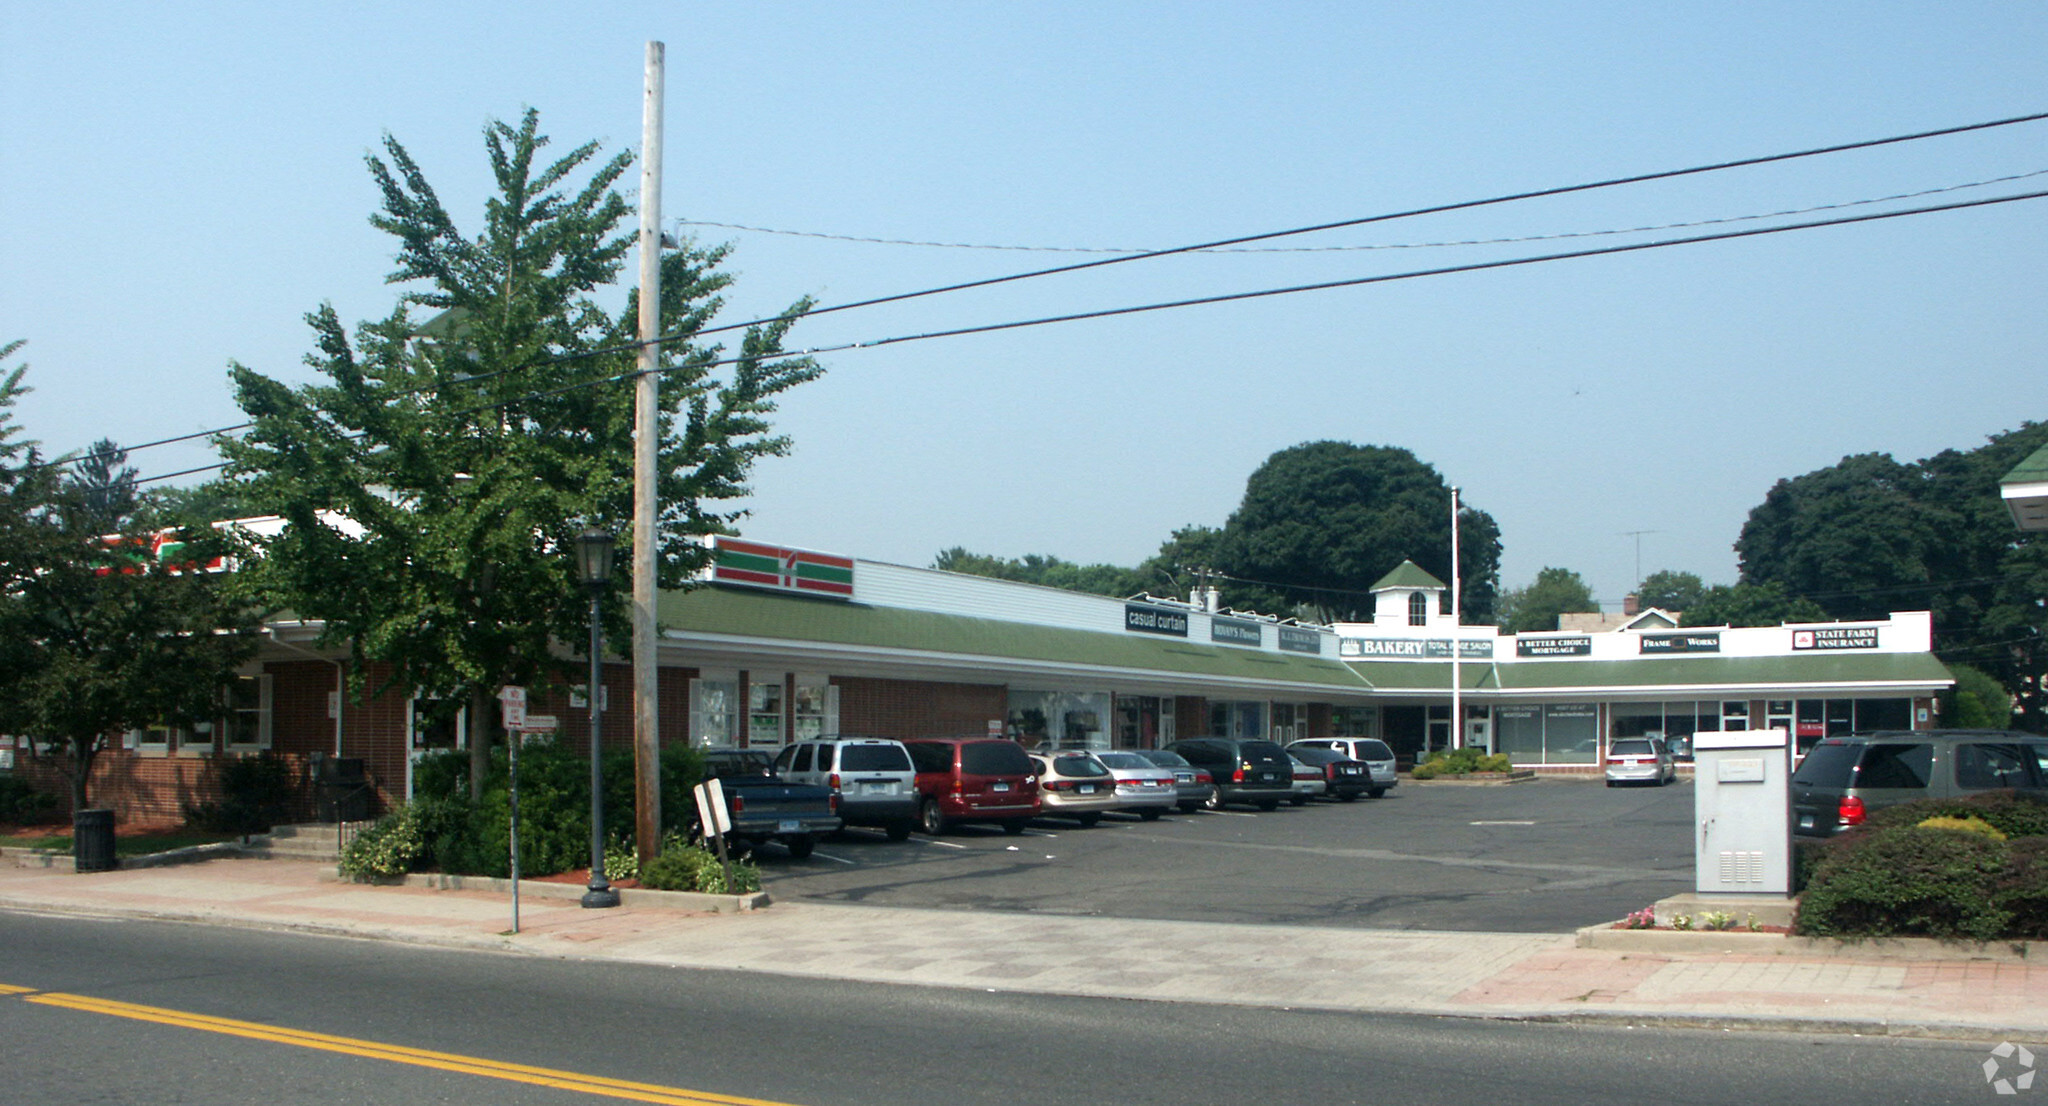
(92,840)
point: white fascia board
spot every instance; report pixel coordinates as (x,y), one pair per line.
(1712,691)
(2028,503)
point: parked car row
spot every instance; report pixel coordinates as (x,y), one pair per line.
(935,783)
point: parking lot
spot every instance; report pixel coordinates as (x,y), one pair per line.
(1543,856)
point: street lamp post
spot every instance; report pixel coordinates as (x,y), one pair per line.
(594,565)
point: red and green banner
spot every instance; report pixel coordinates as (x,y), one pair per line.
(770,566)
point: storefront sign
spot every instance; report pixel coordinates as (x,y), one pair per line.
(1294,639)
(1843,637)
(1236,631)
(1155,620)
(1554,647)
(1681,643)
(768,566)
(1414,649)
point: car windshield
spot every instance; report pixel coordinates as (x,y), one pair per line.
(1123,760)
(1078,764)
(1165,759)
(1374,750)
(873,758)
(1828,764)
(1631,747)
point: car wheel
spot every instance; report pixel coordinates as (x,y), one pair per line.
(1610,783)
(932,818)
(1377,792)
(1269,805)
(1087,820)
(1150,815)
(1014,827)
(1215,799)
(1347,796)
(898,831)
(800,847)
(1190,808)
(1299,800)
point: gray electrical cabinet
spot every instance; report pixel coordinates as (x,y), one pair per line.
(1742,800)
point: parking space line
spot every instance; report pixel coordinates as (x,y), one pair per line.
(829,856)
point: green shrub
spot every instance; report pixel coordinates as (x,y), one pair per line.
(2012,813)
(389,847)
(2022,890)
(1460,762)
(692,868)
(256,793)
(22,805)
(1907,881)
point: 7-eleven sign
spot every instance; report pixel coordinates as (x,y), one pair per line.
(769,566)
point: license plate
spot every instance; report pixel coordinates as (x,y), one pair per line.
(1086,789)
(999,787)
(873,788)
(1806,821)
(788,825)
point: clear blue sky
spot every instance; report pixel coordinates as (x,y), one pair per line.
(183,182)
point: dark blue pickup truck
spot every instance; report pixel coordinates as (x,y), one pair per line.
(765,807)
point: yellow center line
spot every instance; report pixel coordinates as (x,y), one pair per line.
(397,1054)
(10,989)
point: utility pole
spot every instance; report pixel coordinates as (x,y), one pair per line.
(1457,640)
(646,453)
(1638,535)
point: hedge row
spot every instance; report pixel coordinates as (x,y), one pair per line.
(1899,877)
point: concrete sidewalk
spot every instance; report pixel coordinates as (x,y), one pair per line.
(1910,988)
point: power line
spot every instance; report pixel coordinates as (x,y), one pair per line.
(1842,205)
(1477,266)
(1221,243)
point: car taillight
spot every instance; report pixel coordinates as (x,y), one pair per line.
(1850,813)
(735,803)
(1330,773)
(1237,776)
(1202,776)
(835,802)
(833,781)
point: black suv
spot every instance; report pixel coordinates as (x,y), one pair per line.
(1255,772)
(1844,778)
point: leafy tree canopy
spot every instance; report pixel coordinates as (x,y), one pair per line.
(1670,591)
(433,480)
(1035,568)
(98,636)
(1976,702)
(1750,605)
(1536,608)
(1869,535)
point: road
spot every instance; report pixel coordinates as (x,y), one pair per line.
(312,1021)
(1542,857)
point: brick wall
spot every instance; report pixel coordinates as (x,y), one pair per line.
(911,708)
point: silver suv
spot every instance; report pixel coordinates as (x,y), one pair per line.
(1843,779)
(873,777)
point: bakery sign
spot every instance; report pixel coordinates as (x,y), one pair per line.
(1836,637)
(771,566)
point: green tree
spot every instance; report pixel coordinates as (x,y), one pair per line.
(98,636)
(1536,608)
(1321,522)
(433,482)
(1869,536)
(1045,571)
(1976,702)
(1750,605)
(1670,591)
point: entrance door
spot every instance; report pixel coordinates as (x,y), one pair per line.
(434,725)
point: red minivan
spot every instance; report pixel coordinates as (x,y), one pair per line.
(973,779)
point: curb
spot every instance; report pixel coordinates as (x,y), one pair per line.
(1606,938)
(696,901)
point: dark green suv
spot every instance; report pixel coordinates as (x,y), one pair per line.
(1843,779)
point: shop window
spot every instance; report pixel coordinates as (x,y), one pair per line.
(1735,714)
(1518,733)
(714,711)
(1354,721)
(1418,608)
(815,708)
(1143,721)
(1883,714)
(1245,721)
(1571,733)
(1841,715)
(764,713)
(1060,719)
(1638,720)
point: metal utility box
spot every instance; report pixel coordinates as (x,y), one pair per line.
(1742,801)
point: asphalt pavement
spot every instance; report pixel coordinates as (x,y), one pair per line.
(1736,980)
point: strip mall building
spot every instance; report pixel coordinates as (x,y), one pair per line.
(782,644)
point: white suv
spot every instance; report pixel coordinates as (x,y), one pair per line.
(873,777)
(1371,750)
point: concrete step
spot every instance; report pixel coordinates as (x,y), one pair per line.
(314,841)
